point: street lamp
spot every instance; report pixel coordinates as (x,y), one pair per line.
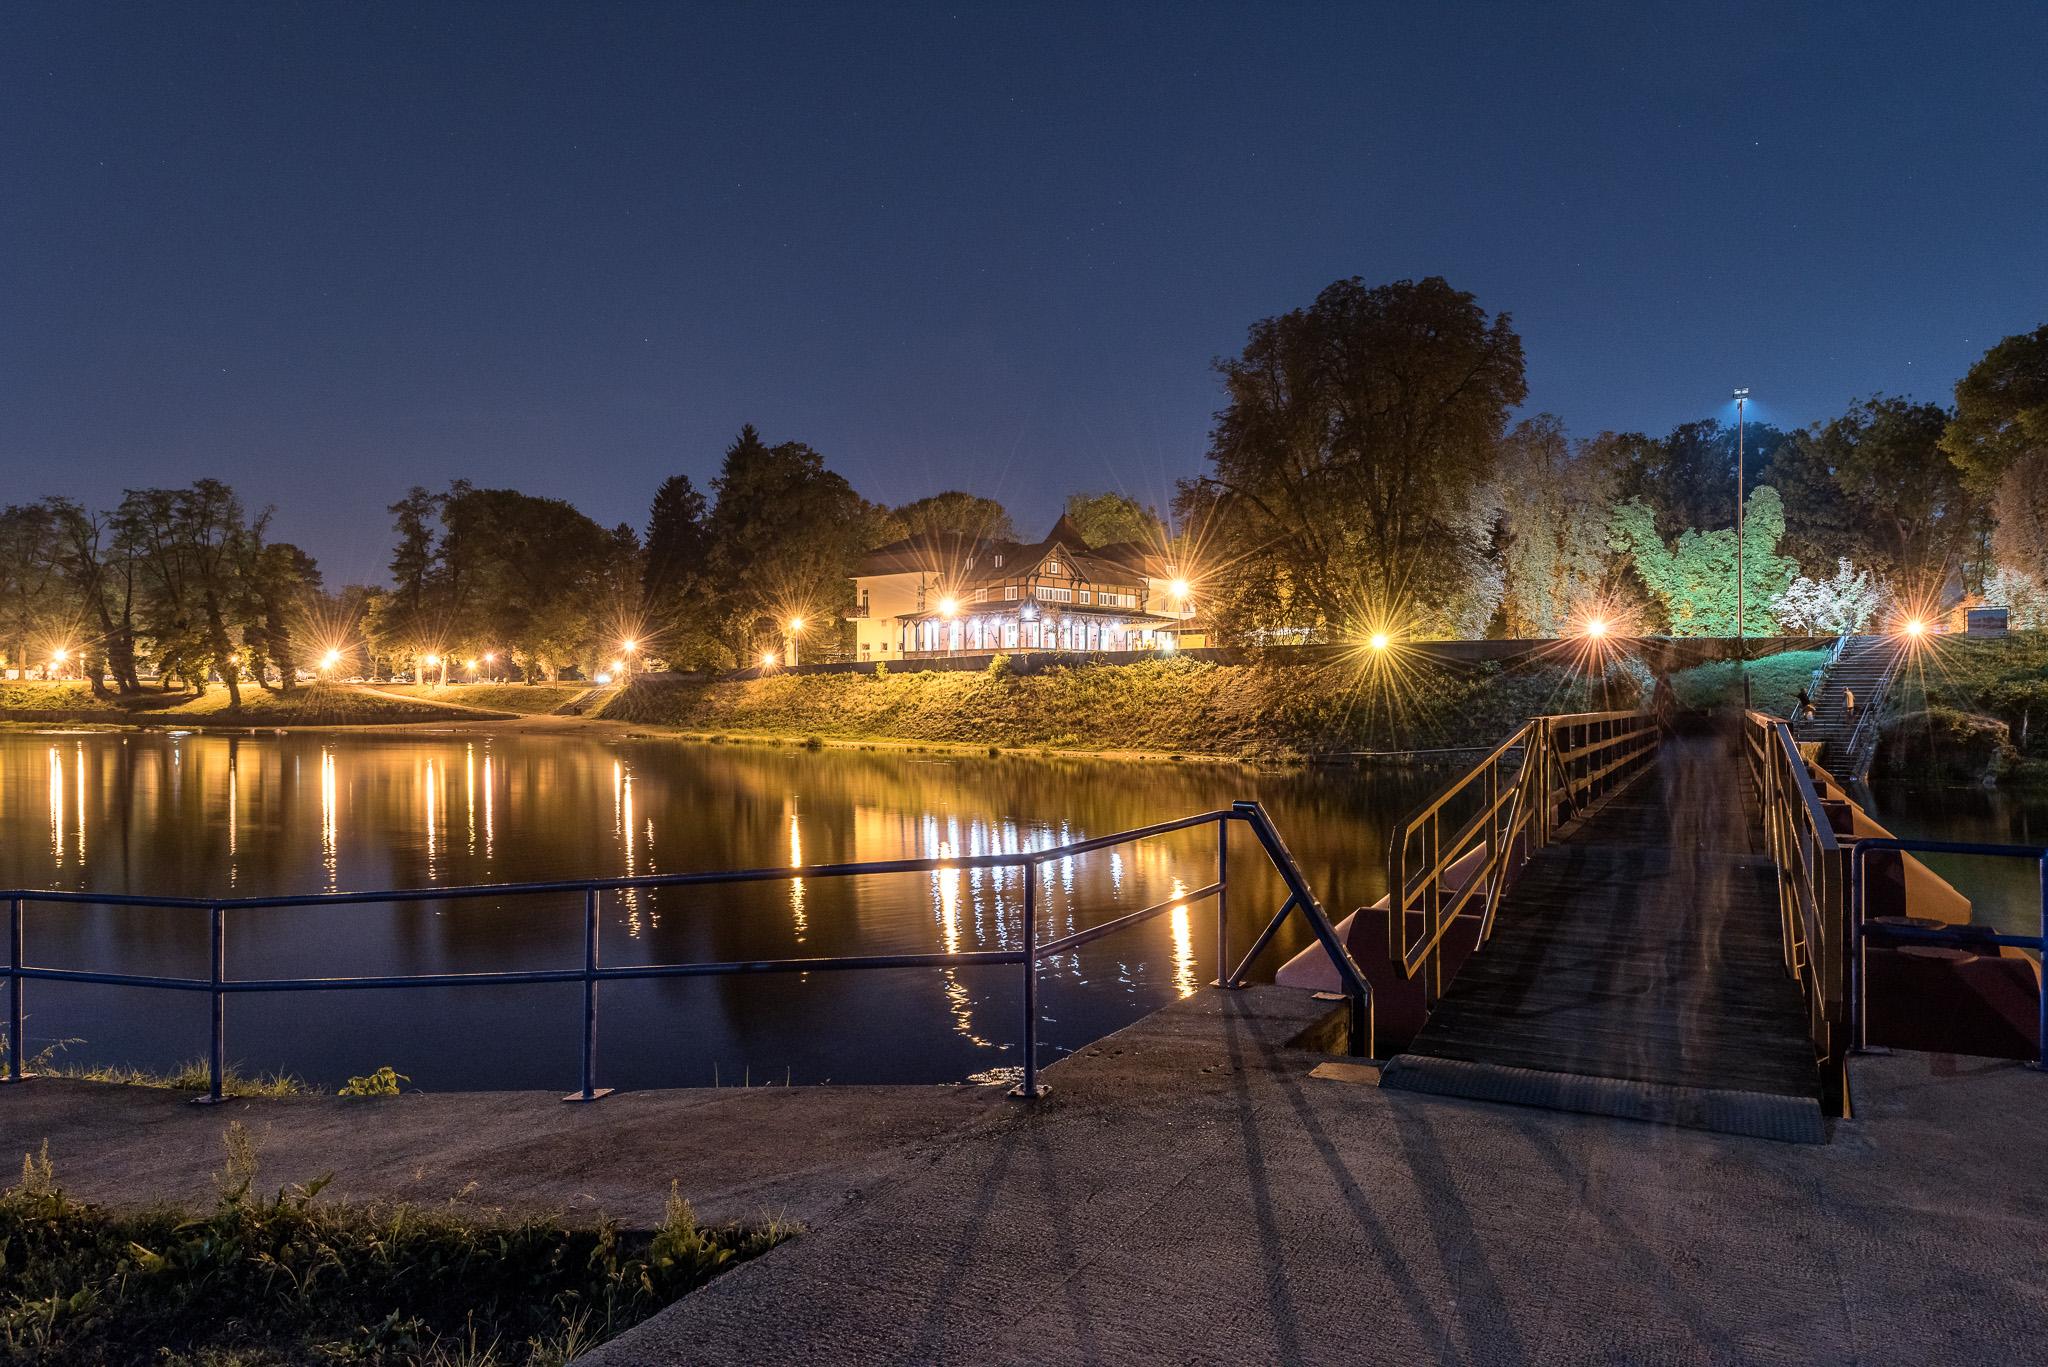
(57,658)
(796,627)
(1741,636)
(1378,641)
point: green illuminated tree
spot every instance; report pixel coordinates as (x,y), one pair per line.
(1693,576)
(1553,539)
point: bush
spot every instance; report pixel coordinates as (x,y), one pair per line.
(384,1082)
(293,1278)
(1941,743)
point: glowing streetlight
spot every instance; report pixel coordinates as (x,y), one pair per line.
(1179,590)
(949,607)
(59,655)
(1378,641)
(1596,628)
(767,659)
(1167,643)
(469,665)
(629,645)
(796,629)
(330,659)
(1916,627)
(618,667)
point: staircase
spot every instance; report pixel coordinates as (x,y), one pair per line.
(1864,666)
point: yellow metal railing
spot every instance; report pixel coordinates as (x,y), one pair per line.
(1500,812)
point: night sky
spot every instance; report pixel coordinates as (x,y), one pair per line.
(329,251)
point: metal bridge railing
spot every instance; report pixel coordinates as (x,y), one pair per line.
(219,987)
(1812,869)
(1502,810)
(1954,936)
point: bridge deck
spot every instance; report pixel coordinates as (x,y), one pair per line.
(1640,952)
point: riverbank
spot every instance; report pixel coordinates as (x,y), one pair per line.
(315,705)
(1310,706)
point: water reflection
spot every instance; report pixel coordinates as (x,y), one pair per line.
(121,815)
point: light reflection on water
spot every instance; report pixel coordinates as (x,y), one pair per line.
(197,815)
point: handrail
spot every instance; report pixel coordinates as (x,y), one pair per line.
(1859,762)
(1965,937)
(1565,766)
(1811,876)
(218,986)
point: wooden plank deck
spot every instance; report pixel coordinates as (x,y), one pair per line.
(1641,952)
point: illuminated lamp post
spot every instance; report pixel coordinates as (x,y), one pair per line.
(435,661)
(57,658)
(628,648)
(1741,637)
(796,629)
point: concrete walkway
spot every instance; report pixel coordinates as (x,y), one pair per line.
(738,1154)
(1189,1193)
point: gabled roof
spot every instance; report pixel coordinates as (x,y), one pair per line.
(967,561)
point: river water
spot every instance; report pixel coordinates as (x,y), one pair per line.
(213,815)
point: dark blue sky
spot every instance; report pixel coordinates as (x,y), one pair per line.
(328,251)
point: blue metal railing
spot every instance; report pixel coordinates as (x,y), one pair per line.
(1953,936)
(218,986)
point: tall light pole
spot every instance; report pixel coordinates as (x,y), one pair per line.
(796,629)
(1741,636)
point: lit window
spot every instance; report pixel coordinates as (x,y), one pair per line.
(1086,596)
(981,595)
(1009,590)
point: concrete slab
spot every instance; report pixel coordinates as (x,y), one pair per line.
(1189,1193)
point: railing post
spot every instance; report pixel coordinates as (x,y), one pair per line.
(2041,1061)
(17,1062)
(217,1044)
(591,1091)
(1029,1088)
(1222,907)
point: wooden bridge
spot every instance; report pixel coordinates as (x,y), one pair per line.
(1611,917)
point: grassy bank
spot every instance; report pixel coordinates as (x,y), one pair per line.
(314,705)
(293,1278)
(2004,678)
(1167,706)
(526,700)
(1774,682)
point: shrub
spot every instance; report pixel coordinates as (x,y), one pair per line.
(384,1082)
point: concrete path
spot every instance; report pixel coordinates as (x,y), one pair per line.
(738,1154)
(1189,1193)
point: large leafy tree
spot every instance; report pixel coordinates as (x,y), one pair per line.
(1999,440)
(958,513)
(1873,486)
(1553,539)
(1349,474)
(1693,576)
(99,565)
(191,546)
(38,611)
(1106,518)
(786,534)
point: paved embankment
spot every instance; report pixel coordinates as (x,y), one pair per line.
(1190,1193)
(737,1153)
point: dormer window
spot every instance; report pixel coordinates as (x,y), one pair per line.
(1052,566)
(999,560)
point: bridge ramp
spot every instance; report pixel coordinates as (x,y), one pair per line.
(1635,970)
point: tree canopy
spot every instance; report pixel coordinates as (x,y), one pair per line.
(1349,472)
(1106,518)
(962,514)
(1694,576)
(1999,440)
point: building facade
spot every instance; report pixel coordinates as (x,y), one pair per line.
(944,594)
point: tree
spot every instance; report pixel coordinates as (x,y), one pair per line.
(1874,486)
(1552,540)
(1694,577)
(785,537)
(1687,477)
(99,565)
(1999,440)
(283,580)
(1106,518)
(190,546)
(958,513)
(676,545)
(37,610)
(1350,472)
(1845,603)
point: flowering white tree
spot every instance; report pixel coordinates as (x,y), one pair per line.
(1844,603)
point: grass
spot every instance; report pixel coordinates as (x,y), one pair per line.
(311,705)
(1180,706)
(293,1278)
(1774,682)
(2005,678)
(527,700)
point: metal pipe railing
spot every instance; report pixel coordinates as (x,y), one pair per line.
(590,972)
(1961,937)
